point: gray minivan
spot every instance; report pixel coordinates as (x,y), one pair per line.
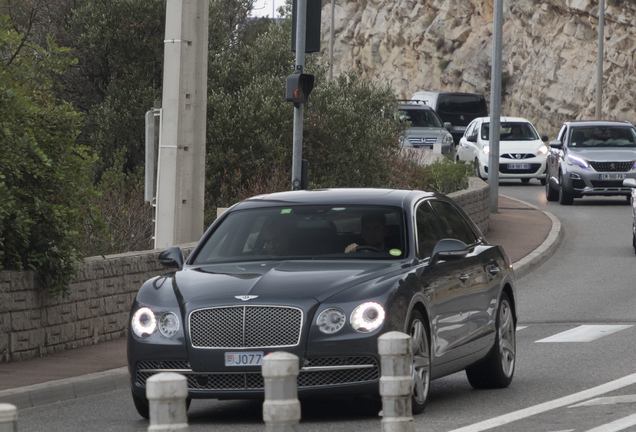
(458,109)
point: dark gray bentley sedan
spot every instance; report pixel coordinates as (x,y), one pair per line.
(322,274)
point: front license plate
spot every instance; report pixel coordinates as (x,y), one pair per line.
(248,358)
(518,166)
(612,176)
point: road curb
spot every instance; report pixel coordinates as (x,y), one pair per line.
(541,254)
(65,389)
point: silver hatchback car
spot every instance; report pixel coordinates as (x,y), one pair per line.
(591,158)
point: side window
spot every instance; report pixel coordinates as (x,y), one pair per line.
(428,232)
(453,223)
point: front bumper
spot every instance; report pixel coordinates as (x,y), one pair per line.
(516,169)
(588,182)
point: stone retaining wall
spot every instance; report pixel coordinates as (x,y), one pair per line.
(97,308)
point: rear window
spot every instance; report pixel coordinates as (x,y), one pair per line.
(469,104)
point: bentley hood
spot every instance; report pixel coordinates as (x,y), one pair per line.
(227,283)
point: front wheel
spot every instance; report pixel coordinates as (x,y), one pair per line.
(566,197)
(421,369)
(142,406)
(497,369)
(550,194)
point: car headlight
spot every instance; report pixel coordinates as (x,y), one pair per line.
(144,322)
(331,320)
(169,324)
(367,317)
(543,150)
(486,149)
(448,139)
(577,161)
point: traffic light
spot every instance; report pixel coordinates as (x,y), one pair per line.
(299,85)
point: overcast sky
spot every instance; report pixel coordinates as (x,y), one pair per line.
(265,8)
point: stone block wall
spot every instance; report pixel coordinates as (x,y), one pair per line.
(96,310)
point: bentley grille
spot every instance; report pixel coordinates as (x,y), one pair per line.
(321,373)
(246,327)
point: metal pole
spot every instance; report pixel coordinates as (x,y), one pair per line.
(599,59)
(495,108)
(333,7)
(301,18)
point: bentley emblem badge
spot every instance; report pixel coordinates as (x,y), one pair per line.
(246,297)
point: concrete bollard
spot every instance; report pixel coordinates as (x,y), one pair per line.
(167,393)
(8,418)
(281,409)
(396,382)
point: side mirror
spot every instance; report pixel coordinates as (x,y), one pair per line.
(556,144)
(629,182)
(471,138)
(448,126)
(544,138)
(449,249)
(172,257)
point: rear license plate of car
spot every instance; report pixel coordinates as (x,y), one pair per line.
(518,166)
(612,176)
(459,128)
(248,358)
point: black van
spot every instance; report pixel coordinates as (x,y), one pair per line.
(458,109)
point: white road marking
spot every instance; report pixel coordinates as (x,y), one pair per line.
(607,401)
(521,327)
(585,333)
(549,406)
(618,425)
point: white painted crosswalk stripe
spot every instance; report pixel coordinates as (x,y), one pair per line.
(585,333)
(616,426)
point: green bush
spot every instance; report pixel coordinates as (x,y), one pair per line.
(45,178)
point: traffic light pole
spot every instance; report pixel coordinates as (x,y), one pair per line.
(297,155)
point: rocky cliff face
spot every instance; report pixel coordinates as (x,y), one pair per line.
(549,52)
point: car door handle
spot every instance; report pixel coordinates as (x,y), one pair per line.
(464,277)
(494,270)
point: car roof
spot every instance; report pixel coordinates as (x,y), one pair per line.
(415,105)
(576,123)
(506,119)
(343,196)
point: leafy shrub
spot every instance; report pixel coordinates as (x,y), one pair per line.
(45,183)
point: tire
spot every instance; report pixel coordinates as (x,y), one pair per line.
(498,368)
(543,181)
(550,194)
(565,197)
(143,407)
(634,240)
(421,369)
(478,170)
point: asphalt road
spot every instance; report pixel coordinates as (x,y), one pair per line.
(575,369)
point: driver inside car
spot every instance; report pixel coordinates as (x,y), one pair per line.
(374,234)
